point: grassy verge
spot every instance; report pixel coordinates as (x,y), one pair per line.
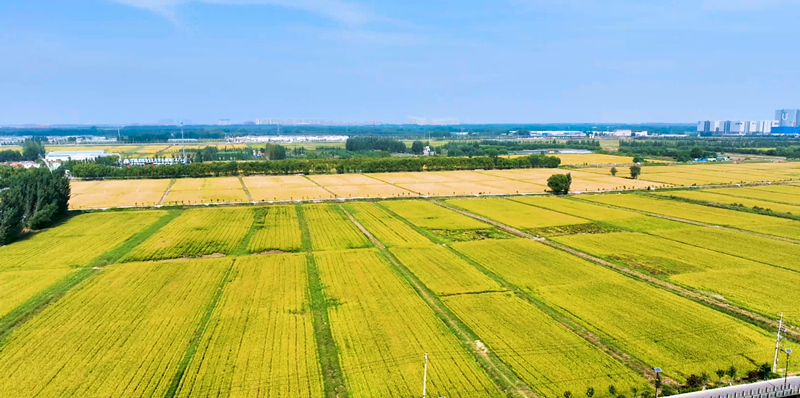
(258,223)
(327,350)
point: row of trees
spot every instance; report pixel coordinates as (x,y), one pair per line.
(31,199)
(313,166)
(375,144)
(694,382)
(31,150)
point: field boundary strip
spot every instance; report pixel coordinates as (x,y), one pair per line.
(38,303)
(503,376)
(327,350)
(245,189)
(191,350)
(729,309)
(169,188)
(487,220)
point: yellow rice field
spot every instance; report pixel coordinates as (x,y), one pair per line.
(117,193)
(206,190)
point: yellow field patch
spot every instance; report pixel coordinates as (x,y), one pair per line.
(592,158)
(290,193)
(206,190)
(344,179)
(267,182)
(369,191)
(116,193)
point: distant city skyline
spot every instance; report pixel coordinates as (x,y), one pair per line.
(434,62)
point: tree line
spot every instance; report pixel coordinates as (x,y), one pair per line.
(31,150)
(30,199)
(312,166)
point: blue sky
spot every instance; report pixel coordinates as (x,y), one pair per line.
(500,61)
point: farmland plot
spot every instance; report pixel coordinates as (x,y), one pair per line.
(618,218)
(781,254)
(330,229)
(206,190)
(115,193)
(195,233)
(259,341)
(444,272)
(427,215)
(722,198)
(544,353)
(279,230)
(732,218)
(76,242)
(18,286)
(384,226)
(121,334)
(382,328)
(655,326)
(780,194)
(758,287)
(516,214)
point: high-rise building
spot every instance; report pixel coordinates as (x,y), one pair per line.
(788,117)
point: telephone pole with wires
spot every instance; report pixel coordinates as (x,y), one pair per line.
(778,344)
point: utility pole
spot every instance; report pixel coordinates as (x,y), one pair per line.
(425,378)
(183,140)
(778,344)
(786,371)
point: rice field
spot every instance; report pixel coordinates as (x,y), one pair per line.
(690,336)
(427,215)
(516,214)
(330,229)
(76,242)
(731,197)
(383,329)
(745,221)
(85,345)
(116,193)
(196,233)
(384,226)
(543,352)
(278,229)
(297,301)
(206,190)
(259,340)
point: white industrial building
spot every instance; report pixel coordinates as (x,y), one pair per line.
(63,156)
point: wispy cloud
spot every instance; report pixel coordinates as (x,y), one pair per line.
(338,10)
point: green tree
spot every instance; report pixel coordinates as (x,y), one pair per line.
(636,171)
(638,159)
(567,394)
(635,391)
(560,183)
(32,150)
(590,392)
(612,391)
(731,372)
(697,153)
(720,373)
(417,147)
(613,171)
(493,153)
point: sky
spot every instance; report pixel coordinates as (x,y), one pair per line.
(498,61)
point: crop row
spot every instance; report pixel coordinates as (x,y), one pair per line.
(385,227)
(196,233)
(278,230)
(123,333)
(516,214)
(330,229)
(382,328)
(259,340)
(659,328)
